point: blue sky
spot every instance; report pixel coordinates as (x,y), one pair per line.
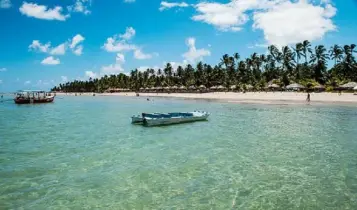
(44,43)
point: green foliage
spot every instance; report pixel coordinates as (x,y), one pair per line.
(302,64)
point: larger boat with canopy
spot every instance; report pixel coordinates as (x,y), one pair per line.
(33,97)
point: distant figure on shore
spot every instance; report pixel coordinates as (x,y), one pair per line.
(339,92)
(308,97)
(137,95)
(148,99)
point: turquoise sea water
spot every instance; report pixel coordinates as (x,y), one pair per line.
(83,153)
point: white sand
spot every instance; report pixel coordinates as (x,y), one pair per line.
(249,97)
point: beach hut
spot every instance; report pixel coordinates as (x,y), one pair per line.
(319,87)
(348,86)
(295,86)
(182,88)
(221,88)
(249,87)
(273,87)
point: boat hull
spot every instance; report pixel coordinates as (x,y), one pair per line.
(171,121)
(137,120)
(33,101)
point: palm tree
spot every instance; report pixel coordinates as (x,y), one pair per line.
(336,53)
(306,48)
(298,52)
(283,64)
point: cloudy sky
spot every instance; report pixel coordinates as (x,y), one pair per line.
(43,43)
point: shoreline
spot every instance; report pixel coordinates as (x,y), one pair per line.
(249,97)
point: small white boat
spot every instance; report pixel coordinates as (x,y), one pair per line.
(157,119)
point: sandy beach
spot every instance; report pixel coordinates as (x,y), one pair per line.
(249,97)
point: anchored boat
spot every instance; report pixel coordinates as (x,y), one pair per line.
(33,97)
(157,119)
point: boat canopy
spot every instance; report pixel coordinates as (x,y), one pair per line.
(31,91)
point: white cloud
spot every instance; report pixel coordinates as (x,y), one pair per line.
(144,68)
(76,40)
(50,61)
(74,45)
(91,74)
(282,21)
(166,5)
(140,55)
(226,17)
(80,6)
(3,69)
(59,50)
(193,54)
(42,12)
(114,68)
(120,58)
(5,4)
(287,22)
(27,82)
(114,45)
(36,45)
(121,43)
(118,43)
(129,33)
(64,78)
(78,50)
(129,1)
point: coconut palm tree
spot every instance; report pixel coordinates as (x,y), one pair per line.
(306,48)
(336,53)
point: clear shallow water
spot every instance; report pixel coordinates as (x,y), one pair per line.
(83,153)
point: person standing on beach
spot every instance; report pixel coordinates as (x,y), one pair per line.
(308,97)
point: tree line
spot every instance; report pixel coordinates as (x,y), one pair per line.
(301,63)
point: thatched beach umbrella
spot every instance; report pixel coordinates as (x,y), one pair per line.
(355,88)
(192,87)
(319,87)
(213,87)
(182,87)
(220,87)
(249,87)
(202,87)
(233,87)
(273,86)
(174,87)
(349,85)
(295,86)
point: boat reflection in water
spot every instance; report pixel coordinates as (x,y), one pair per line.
(33,97)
